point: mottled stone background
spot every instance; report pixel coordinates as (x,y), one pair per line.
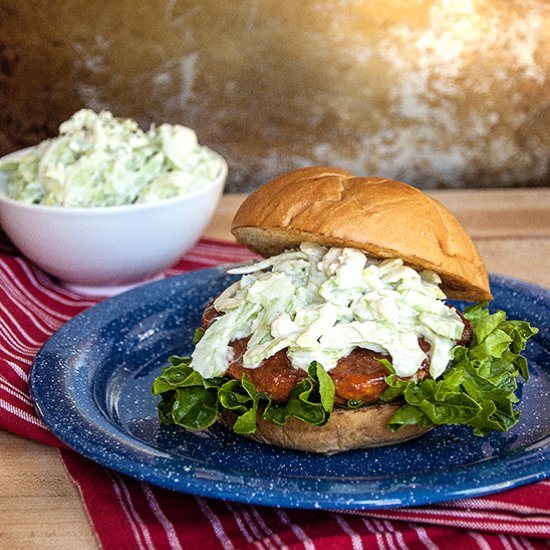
(439,93)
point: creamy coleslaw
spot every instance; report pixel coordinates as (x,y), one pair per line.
(321,303)
(100,160)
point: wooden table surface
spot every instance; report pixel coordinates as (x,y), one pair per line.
(39,506)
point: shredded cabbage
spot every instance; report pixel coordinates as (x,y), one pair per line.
(321,303)
(100,160)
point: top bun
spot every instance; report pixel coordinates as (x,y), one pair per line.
(382,217)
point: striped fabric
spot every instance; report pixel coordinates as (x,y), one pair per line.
(127,513)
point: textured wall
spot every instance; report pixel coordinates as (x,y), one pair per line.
(440,93)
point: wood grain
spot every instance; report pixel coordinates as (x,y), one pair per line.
(39,507)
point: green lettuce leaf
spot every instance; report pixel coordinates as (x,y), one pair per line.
(242,399)
(311,400)
(189,400)
(478,389)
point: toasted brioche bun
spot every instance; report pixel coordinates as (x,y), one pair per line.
(382,217)
(347,429)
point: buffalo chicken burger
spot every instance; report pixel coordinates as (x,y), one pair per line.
(341,337)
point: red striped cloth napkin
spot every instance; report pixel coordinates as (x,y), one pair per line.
(127,513)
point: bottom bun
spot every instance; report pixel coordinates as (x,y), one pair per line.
(347,429)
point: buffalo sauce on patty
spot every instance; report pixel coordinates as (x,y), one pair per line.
(357,377)
(276,377)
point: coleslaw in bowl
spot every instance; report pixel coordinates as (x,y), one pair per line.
(94,231)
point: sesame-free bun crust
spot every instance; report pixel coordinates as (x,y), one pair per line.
(347,429)
(382,217)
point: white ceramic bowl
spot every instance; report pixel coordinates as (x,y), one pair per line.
(103,250)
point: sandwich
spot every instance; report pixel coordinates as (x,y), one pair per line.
(342,336)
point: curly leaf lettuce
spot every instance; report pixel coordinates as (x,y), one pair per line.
(191,401)
(478,389)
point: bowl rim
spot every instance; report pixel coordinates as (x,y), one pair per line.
(107,210)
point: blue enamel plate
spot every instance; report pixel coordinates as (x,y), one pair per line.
(91,385)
